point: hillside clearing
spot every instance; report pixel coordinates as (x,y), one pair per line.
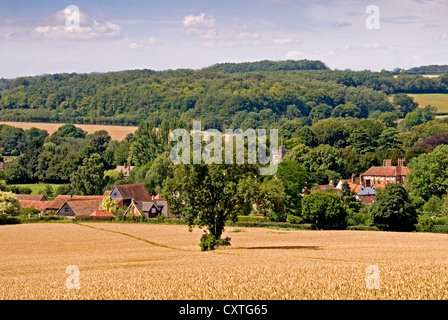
(116,132)
(437,100)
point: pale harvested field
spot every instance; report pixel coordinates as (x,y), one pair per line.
(140,261)
(116,132)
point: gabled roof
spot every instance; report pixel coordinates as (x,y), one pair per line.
(387,171)
(145,206)
(31,197)
(84,207)
(135,191)
(59,201)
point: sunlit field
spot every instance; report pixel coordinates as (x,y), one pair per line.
(115,132)
(437,100)
(142,261)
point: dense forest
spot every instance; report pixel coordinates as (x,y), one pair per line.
(246,95)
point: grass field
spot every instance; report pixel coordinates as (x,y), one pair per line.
(38,188)
(116,132)
(141,261)
(438,100)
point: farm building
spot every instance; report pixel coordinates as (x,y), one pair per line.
(31,197)
(40,205)
(54,206)
(79,207)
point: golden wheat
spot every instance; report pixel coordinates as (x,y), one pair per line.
(139,261)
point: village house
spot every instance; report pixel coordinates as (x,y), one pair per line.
(134,197)
(125,169)
(54,206)
(123,194)
(79,207)
(148,209)
(376,178)
(33,201)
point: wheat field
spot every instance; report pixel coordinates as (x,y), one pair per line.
(115,132)
(142,261)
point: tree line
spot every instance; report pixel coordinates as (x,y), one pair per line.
(246,95)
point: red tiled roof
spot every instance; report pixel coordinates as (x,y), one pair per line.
(387,171)
(101,213)
(107,193)
(59,201)
(31,197)
(41,205)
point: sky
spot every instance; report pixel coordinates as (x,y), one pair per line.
(48,36)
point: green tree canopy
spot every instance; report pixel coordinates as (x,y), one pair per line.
(393,209)
(429,173)
(324,210)
(88,179)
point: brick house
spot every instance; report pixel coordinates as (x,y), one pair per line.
(376,178)
(386,174)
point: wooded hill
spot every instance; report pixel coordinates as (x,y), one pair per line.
(246,95)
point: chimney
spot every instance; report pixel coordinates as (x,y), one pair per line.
(353,178)
(402,162)
(387,163)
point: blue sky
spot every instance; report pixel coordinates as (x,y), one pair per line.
(118,35)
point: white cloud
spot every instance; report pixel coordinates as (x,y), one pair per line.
(202,24)
(285,41)
(373,46)
(144,43)
(56,26)
(248,35)
(294,54)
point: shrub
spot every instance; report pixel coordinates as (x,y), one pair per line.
(324,210)
(293,219)
(9,204)
(19,189)
(93,218)
(4,219)
(208,242)
(29,211)
(425,224)
(252,218)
